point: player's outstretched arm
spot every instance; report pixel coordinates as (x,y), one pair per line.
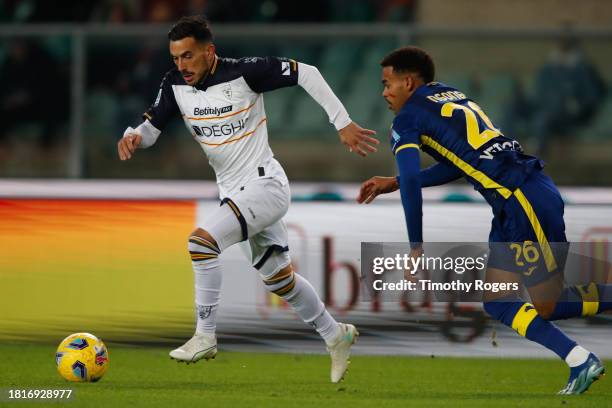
(375,186)
(358,139)
(438,174)
(269,73)
(128,144)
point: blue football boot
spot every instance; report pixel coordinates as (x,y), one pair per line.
(582,376)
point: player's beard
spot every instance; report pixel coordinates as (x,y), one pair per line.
(194,80)
(188,77)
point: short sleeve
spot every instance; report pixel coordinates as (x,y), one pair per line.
(269,73)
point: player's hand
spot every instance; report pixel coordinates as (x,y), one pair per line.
(375,186)
(358,139)
(128,144)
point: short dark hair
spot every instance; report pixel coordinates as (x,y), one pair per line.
(411,59)
(191,26)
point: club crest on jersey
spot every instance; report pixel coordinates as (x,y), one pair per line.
(227,91)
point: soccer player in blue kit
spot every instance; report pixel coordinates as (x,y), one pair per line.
(527,207)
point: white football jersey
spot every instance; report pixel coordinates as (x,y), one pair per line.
(226,116)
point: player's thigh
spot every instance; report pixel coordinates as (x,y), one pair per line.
(527,259)
(261,203)
(537,212)
(496,275)
(222,225)
(530,234)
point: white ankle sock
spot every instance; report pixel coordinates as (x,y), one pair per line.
(208,280)
(577,356)
(207,293)
(327,327)
(307,304)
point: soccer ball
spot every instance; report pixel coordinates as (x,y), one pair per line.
(82,357)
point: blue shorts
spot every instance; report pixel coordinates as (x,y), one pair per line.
(528,234)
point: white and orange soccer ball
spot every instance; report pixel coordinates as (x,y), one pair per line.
(82,357)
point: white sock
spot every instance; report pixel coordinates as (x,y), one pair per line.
(208,280)
(307,304)
(327,327)
(577,356)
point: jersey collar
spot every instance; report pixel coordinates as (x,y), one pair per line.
(202,84)
(419,90)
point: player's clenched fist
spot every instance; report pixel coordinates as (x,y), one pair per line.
(375,186)
(128,144)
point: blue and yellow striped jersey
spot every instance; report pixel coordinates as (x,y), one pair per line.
(446,124)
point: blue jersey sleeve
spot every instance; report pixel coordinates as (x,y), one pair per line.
(404,134)
(406,151)
(438,174)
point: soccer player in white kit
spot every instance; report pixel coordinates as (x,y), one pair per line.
(221,102)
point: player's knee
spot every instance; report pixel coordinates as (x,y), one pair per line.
(504,310)
(494,309)
(545,309)
(276,271)
(279,275)
(202,247)
(202,233)
(282,282)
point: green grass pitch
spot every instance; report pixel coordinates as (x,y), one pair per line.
(147,377)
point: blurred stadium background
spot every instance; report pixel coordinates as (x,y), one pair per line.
(75,74)
(103,61)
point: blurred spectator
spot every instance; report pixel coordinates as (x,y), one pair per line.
(516,113)
(350,11)
(219,11)
(116,11)
(34,91)
(216,11)
(396,10)
(568,92)
(163,11)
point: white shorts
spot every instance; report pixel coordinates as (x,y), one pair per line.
(255,214)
